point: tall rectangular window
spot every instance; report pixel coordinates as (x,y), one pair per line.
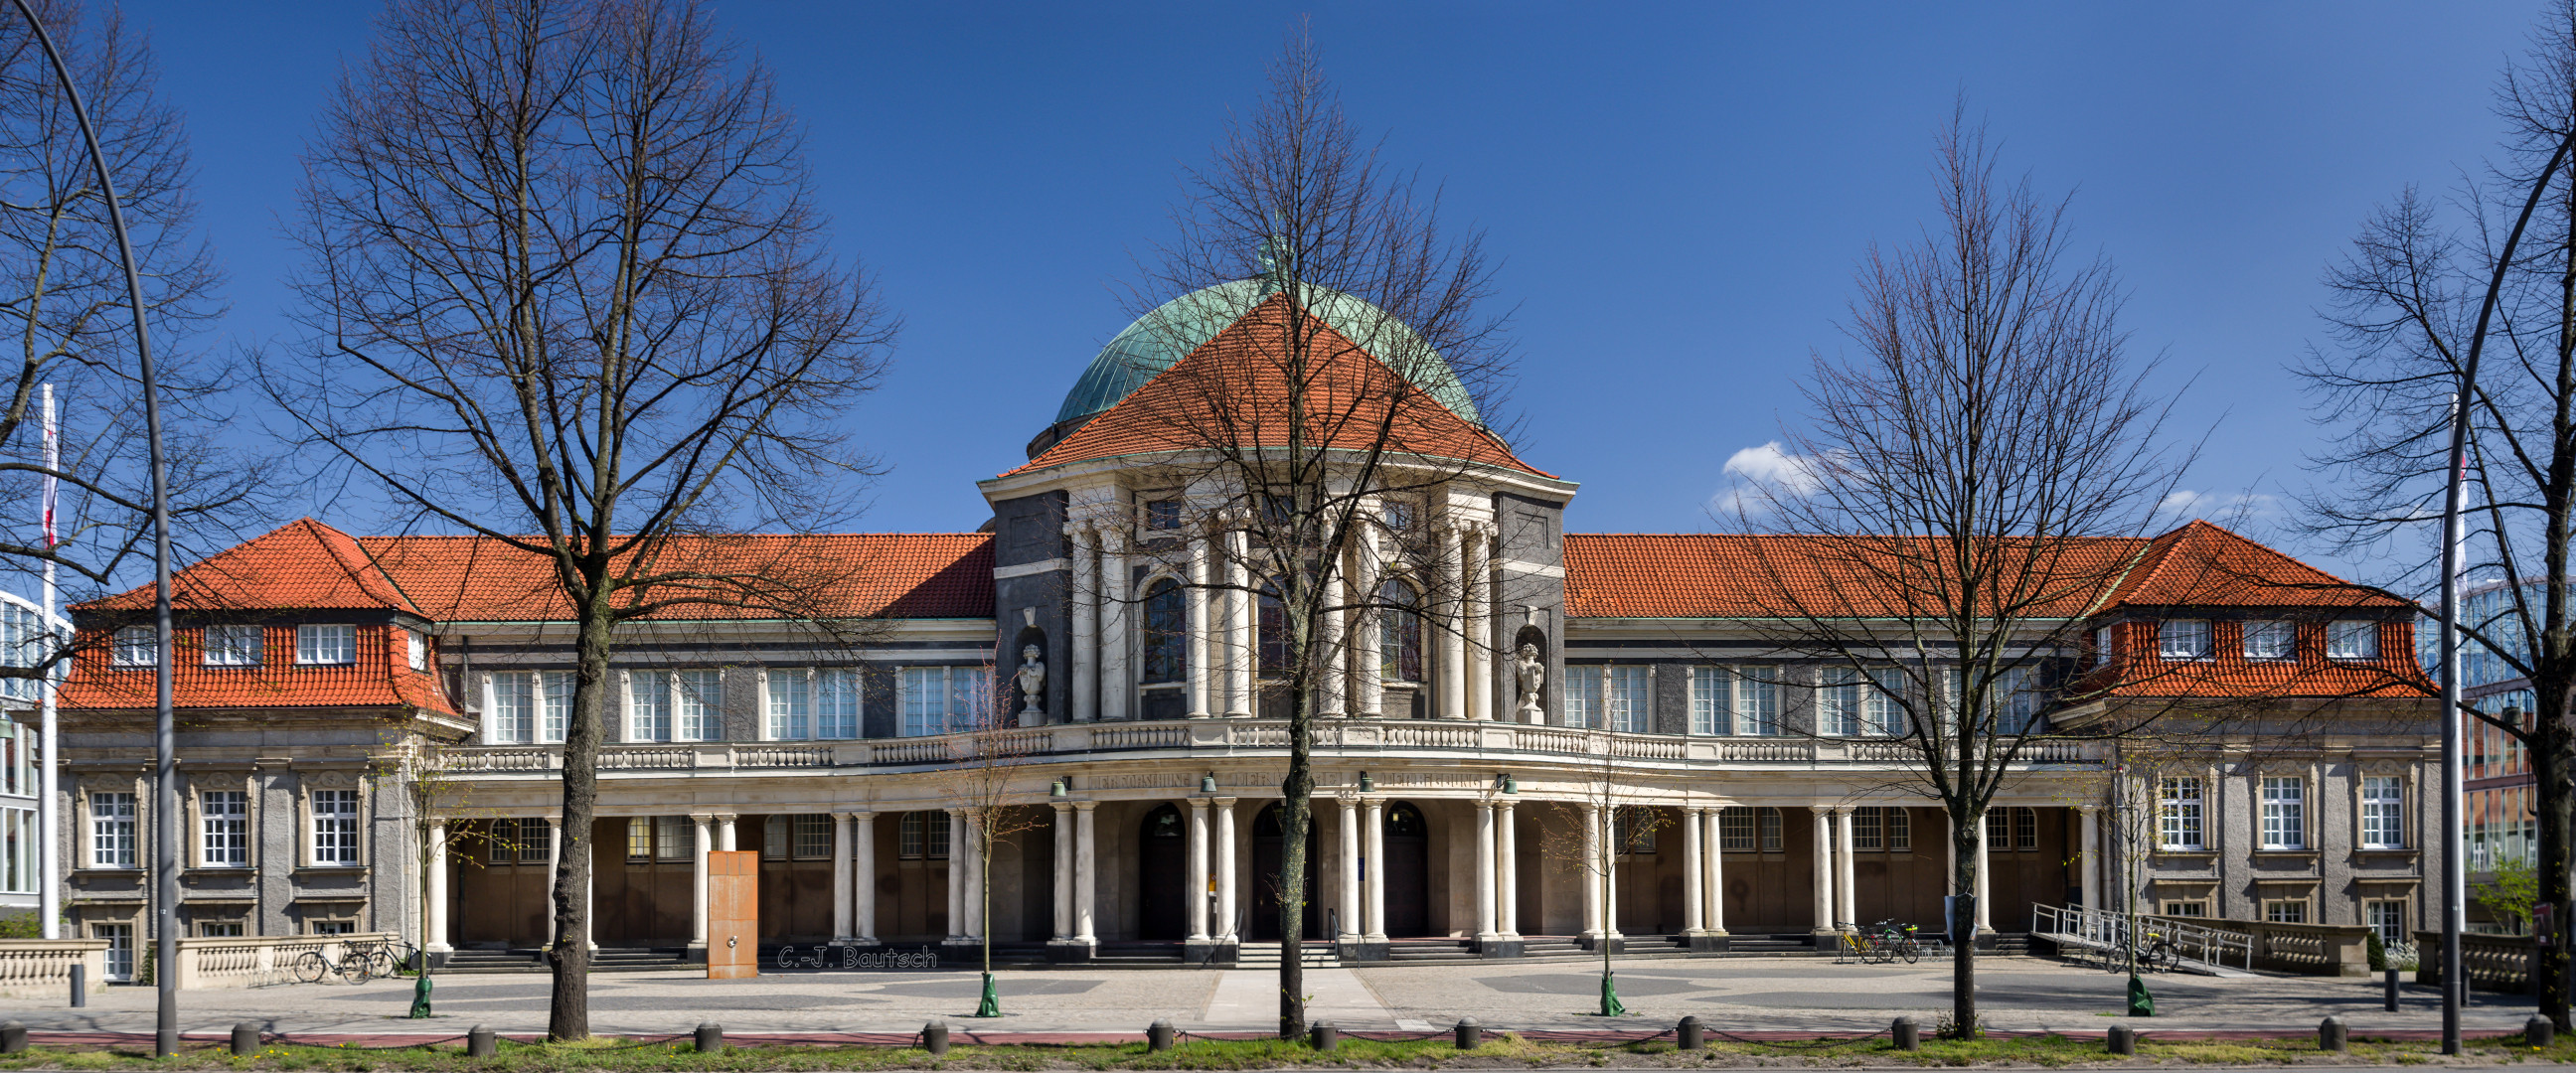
(675,838)
(2268,639)
(2183,638)
(836,704)
(120,949)
(1709,701)
(1867,832)
(504,841)
(813,836)
(945,700)
(924,835)
(335,827)
(326,644)
(1769,818)
(419,646)
(536,840)
(1900,830)
(639,838)
(226,817)
(2178,814)
(698,703)
(2285,812)
(791,705)
(1583,695)
(912,836)
(232,646)
(2352,639)
(111,829)
(2025,828)
(2388,918)
(554,695)
(1881,716)
(1735,830)
(648,706)
(2383,812)
(1757,702)
(1838,703)
(514,708)
(1631,704)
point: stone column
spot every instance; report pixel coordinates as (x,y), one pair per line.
(863,867)
(699,846)
(844,882)
(1374,836)
(1450,599)
(1336,689)
(1985,912)
(1244,656)
(1117,687)
(554,855)
(724,832)
(1350,928)
(2091,872)
(1224,929)
(1499,632)
(1197,893)
(1610,897)
(1369,673)
(1694,877)
(1949,857)
(1714,827)
(973,889)
(1083,867)
(957,855)
(1086,622)
(436,940)
(1593,865)
(1476,622)
(1195,678)
(1485,883)
(1846,899)
(1063,871)
(1507,904)
(1824,868)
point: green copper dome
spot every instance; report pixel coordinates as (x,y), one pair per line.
(1169,333)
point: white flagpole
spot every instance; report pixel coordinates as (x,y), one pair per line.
(49,810)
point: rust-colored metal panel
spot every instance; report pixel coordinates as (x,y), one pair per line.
(733,914)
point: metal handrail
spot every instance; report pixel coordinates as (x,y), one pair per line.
(2108,932)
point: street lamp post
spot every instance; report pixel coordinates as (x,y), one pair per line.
(165,788)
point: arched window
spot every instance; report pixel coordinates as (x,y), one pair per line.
(1167,623)
(1404,821)
(1399,633)
(1165,822)
(1272,623)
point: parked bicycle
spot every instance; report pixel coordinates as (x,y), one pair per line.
(387,956)
(353,966)
(1891,940)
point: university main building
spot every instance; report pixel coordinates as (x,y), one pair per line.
(1460,746)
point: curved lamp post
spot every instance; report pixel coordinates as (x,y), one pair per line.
(165,789)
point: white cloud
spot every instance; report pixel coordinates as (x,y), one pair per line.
(2183,504)
(1757,474)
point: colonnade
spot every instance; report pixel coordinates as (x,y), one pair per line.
(1223,652)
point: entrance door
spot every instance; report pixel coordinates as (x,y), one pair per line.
(733,914)
(1162,867)
(1269,859)
(1408,872)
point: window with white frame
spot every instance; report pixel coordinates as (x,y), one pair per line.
(335,828)
(821,703)
(1900,829)
(1609,697)
(2352,639)
(943,700)
(697,701)
(232,646)
(2018,699)
(513,709)
(1769,821)
(2186,909)
(2285,910)
(137,646)
(2285,812)
(536,840)
(2101,645)
(1866,830)
(2183,638)
(2383,812)
(648,706)
(639,838)
(326,644)
(2268,639)
(2387,917)
(812,836)
(1735,700)
(224,827)
(1757,702)
(1735,829)
(1709,698)
(554,705)
(419,646)
(1583,705)
(502,840)
(1849,704)
(111,830)
(923,835)
(120,949)
(675,838)
(2025,827)
(2178,813)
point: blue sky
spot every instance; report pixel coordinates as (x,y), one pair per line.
(1680,192)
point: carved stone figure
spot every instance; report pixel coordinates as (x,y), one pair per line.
(1532,673)
(1032,682)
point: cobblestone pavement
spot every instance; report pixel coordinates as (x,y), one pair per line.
(1735,993)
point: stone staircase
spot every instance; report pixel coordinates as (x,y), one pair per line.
(1317,954)
(532,960)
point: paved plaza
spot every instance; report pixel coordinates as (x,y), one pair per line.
(1731,993)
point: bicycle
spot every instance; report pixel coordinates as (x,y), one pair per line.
(385,957)
(1893,940)
(353,966)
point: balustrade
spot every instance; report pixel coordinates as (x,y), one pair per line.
(42,968)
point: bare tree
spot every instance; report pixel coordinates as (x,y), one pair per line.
(2430,287)
(1606,825)
(414,763)
(1335,378)
(981,782)
(1954,483)
(566,288)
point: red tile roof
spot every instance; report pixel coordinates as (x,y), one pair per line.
(381,677)
(2138,671)
(1232,394)
(304,565)
(893,575)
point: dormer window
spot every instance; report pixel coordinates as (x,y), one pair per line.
(326,644)
(137,646)
(2101,645)
(2268,639)
(2183,638)
(419,650)
(232,646)
(2352,639)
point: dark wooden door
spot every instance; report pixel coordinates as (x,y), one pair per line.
(1408,872)
(1162,865)
(1269,861)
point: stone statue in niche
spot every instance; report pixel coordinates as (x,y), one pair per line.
(1031,679)
(1532,675)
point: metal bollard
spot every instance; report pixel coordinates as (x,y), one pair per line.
(2538,1032)
(934,1038)
(1324,1036)
(80,985)
(1687,1035)
(1470,1033)
(13,1037)
(481,1042)
(245,1039)
(710,1038)
(1158,1036)
(2122,1039)
(2331,1035)
(1907,1033)
(2388,991)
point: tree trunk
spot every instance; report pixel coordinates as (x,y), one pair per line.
(568,1017)
(1295,809)
(1963,926)
(2556,749)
